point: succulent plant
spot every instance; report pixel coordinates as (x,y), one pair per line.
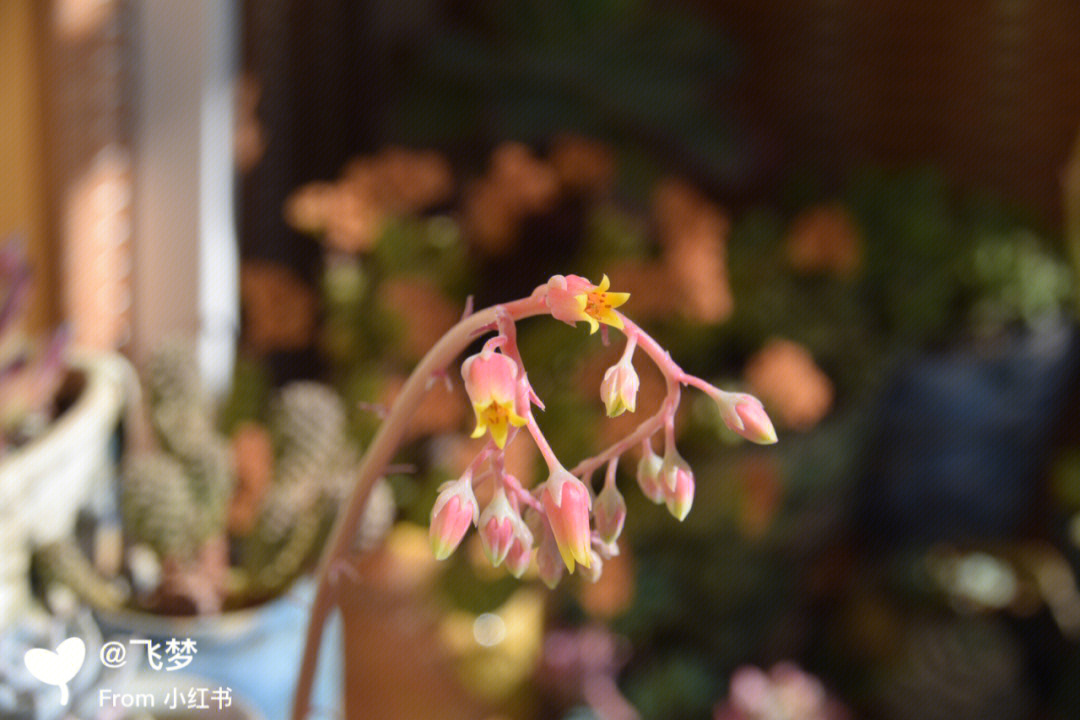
(28,384)
(179,500)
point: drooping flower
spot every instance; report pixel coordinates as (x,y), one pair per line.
(520,553)
(548,562)
(678,484)
(453,512)
(619,388)
(567,504)
(573,299)
(500,526)
(610,513)
(491,382)
(595,568)
(496,528)
(648,476)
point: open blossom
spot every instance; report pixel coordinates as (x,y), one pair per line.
(619,388)
(454,511)
(491,380)
(573,299)
(567,504)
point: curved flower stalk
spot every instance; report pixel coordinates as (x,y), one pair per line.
(558,521)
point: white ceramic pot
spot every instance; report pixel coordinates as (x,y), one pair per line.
(44,483)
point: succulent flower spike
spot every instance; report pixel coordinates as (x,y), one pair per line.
(567,504)
(619,388)
(454,511)
(491,380)
(573,299)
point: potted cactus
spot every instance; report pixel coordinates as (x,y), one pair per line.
(217,528)
(59,410)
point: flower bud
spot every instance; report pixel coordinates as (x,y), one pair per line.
(648,476)
(520,554)
(757,427)
(594,569)
(678,484)
(548,561)
(619,388)
(497,527)
(610,513)
(454,510)
(567,504)
(745,415)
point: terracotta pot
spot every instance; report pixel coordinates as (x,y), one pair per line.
(395,666)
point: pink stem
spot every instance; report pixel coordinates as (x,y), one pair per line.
(673,375)
(378,455)
(542,444)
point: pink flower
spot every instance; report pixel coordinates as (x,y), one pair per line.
(619,388)
(491,380)
(678,485)
(745,415)
(454,511)
(520,553)
(573,299)
(548,561)
(500,525)
(567,504)
(610,513)
(648,476)
(594,569)
(497,528)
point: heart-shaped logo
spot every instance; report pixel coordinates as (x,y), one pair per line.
(59,667)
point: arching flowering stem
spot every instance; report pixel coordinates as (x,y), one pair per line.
(561,508)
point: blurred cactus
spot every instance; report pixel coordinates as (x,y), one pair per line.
(197,499)
(28,385)
(175,500)
(315,456)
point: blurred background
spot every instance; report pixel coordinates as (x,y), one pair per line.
(235,227)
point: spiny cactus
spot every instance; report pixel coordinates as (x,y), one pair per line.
(172,373)
(315,455)
(176,499)
(63,561)
(158,507)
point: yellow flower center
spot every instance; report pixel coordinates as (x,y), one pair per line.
(597,304)
(495,414)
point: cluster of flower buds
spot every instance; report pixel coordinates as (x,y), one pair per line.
(560,518)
